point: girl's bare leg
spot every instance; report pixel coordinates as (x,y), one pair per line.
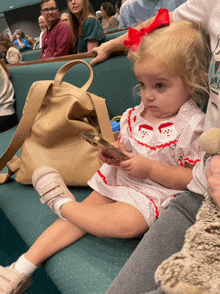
(59,235)
(109,220)
(97,215)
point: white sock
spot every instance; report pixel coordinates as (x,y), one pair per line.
(24,266)
(58,204)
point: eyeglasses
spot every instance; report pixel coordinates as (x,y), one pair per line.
(46,10)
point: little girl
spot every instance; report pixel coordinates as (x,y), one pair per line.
(160,137)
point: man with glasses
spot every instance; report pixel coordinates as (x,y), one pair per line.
(57,40)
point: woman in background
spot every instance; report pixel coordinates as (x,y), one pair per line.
(20,40)
(108,12)
(87,32)
(9,49)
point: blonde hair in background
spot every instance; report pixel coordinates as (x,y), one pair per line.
(65,14)
(183,49)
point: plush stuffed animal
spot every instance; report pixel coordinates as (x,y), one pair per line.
(196,268)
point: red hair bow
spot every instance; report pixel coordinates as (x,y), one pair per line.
(162,19)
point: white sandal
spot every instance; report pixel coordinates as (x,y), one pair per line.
(13,282)
(50,185)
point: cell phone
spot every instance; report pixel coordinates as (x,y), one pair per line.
(107,148)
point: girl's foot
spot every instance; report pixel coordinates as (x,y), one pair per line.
(13,282)
(51,187)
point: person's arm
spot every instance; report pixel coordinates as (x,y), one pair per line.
(22,46)
(91,44)
(172,177)
(213,178)
(5,67)
(106,49)
(92,32)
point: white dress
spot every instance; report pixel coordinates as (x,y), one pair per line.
(172,142)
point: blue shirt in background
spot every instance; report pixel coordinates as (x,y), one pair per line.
(24,42)
(133,12)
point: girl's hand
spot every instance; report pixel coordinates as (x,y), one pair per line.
(213,178)
(109,159)
(137,166)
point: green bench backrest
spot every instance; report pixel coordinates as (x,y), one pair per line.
(112,30)
(31,55)
(115,35)
(35,54)
(114,80)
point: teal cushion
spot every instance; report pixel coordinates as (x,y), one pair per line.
(87,266)
(115,35)
(31,55)
(11,247)
(112,30)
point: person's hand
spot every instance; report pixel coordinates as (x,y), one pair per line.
(103,53)
(109,159)
(213,178)
(137,166)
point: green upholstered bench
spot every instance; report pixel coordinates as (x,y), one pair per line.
(115,35)
(90,265)
(35,54)
(31,55)
(115,29)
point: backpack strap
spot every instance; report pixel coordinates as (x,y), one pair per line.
(103,118)
(98,103)
(35,98)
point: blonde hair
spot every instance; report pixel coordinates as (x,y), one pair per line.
(183,49)
(65,14)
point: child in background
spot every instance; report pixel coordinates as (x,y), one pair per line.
(161,135)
